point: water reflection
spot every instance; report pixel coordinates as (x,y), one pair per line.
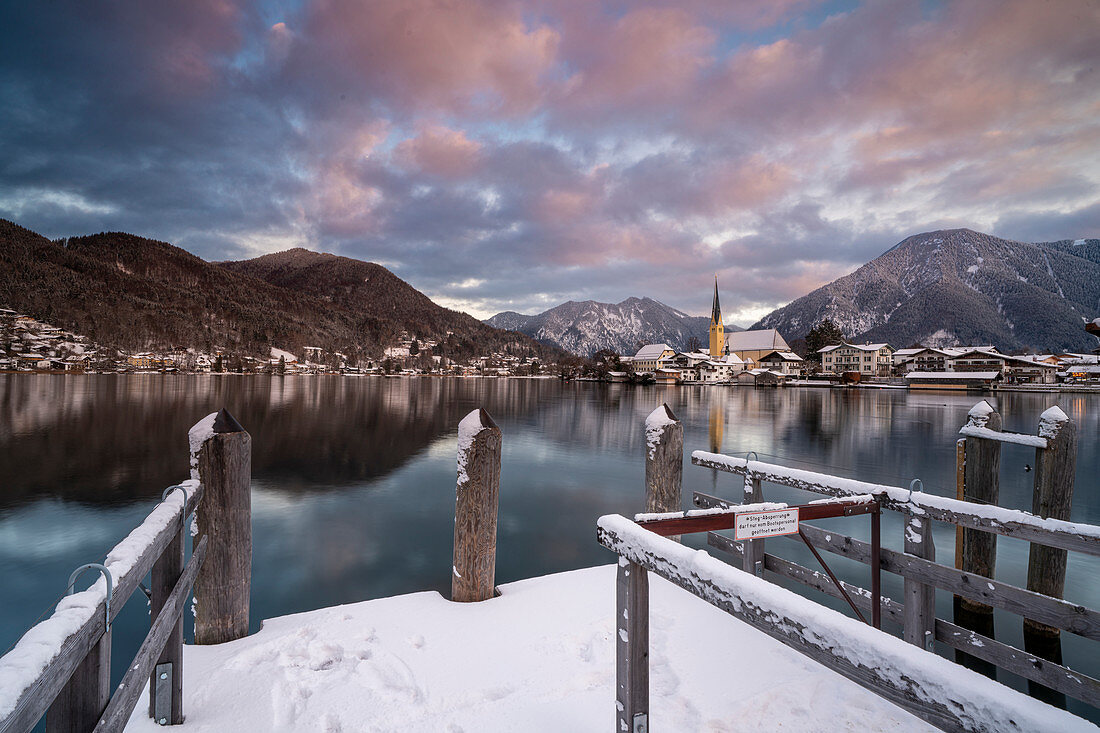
(353,493)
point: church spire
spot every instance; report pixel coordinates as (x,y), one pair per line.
(716,309)
(717,333)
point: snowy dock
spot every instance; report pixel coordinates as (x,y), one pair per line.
(539,657)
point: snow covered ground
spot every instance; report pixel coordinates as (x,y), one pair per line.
(539,657)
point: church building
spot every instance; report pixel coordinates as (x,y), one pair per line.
(717,346)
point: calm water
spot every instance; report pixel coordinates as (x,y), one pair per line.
(353,479)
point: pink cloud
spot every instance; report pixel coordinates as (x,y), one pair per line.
(428,54)
(439,151)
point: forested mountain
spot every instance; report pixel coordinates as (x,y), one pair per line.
(134,293)
(961,287)
(382,304)
(589,326)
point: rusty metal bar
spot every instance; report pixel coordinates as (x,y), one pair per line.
(832,577)
(714,522)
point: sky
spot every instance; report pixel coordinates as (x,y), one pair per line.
(503,155)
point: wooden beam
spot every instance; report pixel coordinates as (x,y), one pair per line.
(124,700)
(632,646)
(920,598)
(477,496)
(222,591)
(1000,521)
(1055,474)
(664,461)
(166,573)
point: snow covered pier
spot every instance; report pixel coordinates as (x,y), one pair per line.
(672,638)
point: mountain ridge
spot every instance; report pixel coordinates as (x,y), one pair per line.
(954,286)
(587,326)
(133,293)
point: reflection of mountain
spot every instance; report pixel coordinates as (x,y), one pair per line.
(111,438)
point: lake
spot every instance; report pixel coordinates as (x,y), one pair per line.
(354,478)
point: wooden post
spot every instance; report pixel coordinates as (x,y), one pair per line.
(222,453)
(960,494)
(477,495)
(1055,472)
(166,572)
(753,559)
(979,555)
(632,647)
(920,598)
(664,461)
(85,696)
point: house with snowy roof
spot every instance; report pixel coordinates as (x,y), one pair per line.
(872,360)
(724,369)
(647,357)
(755,344)
(784,362)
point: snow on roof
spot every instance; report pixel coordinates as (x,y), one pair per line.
(767,338)
(958,376)
(826,349)
(907,352)
(784,355)
(652,351)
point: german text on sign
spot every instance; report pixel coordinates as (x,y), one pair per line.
(771,523)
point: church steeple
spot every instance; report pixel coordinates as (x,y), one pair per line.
(717,332)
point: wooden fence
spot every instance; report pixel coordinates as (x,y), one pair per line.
(916,565)
(63,664)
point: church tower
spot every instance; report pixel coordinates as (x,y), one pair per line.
(717,335)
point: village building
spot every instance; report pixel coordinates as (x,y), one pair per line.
(647,357)
(784,362)
(872,360)
(953,380)
(755,344)
(721,370)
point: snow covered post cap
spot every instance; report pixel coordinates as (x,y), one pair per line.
(664,461)
(221,458)
(1055,474)
(477,497)
(980,415)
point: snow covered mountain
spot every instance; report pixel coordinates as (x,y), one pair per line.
(959,286)
(588,326)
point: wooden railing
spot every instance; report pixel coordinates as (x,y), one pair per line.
(61,667)
(930,687)
(922,575)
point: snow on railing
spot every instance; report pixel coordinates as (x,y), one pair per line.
(1074,536)
(929,686)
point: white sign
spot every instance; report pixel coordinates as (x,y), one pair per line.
(771,523)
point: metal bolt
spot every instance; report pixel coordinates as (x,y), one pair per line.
(164,675)
(163,721)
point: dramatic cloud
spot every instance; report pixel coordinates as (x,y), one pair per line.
(511,155)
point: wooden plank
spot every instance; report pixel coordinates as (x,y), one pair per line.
(1030,667)
(631,645)
(1055,474)
(78,706)
(754,549)
(1053,611)
(920,598)
(37,698)
(1068,536)
(163,579)
(477,496)
(1009,658)
(223,588)
(783,568)
(664,461)
(124,700)
(979,549)
(995,435)
(960,492)
(925,690)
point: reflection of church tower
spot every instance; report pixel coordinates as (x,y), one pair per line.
(717,335)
